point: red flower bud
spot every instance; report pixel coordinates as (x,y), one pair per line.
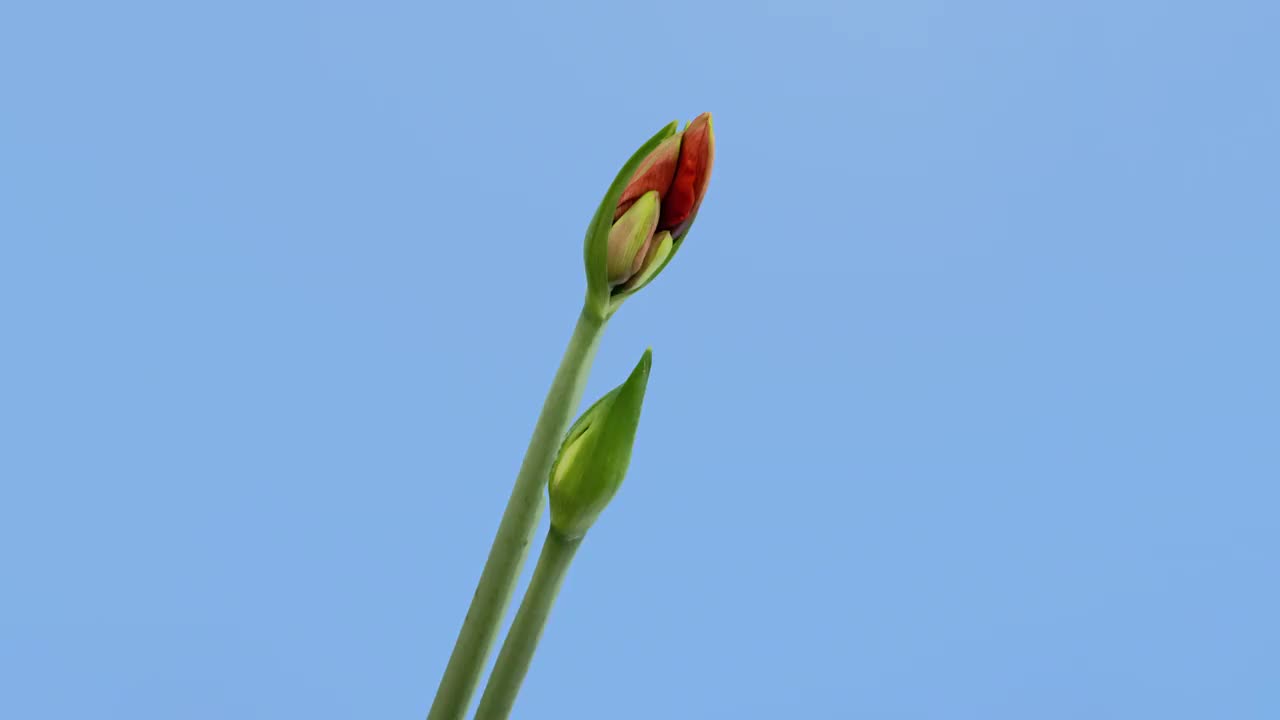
(658,193)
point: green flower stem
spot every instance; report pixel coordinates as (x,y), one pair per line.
(522,639)
(502,569)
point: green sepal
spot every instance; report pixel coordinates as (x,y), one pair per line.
(596,246)
(594,456)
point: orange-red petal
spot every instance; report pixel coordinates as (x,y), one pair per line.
(693,173)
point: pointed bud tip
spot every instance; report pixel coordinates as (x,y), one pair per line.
(646,362)
(638,381)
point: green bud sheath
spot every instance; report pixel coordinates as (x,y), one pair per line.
(595,454)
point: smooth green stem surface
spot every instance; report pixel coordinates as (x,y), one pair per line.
(506,556)
(522,639)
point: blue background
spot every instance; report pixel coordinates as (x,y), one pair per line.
(964,400)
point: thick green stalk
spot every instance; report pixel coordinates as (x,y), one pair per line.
(502,569)
(522,639)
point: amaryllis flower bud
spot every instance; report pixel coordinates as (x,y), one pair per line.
(647,212)
(595,453)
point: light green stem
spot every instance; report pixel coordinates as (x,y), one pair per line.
(522,639)
(502,569)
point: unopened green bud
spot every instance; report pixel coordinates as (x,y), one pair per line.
(595,454)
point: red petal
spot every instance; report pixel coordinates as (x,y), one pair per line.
(697,154)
